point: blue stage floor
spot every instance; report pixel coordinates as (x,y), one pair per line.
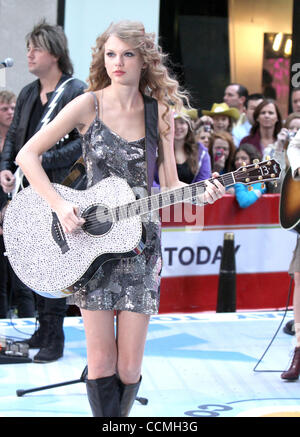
(195,365)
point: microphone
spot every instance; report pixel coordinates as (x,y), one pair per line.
(8,62)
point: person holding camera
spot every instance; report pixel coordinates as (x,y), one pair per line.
(220,117)
(221,152)
(246,154)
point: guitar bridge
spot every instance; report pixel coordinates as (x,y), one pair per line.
(58,234)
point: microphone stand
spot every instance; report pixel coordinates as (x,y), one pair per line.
(141,400)
(46,387)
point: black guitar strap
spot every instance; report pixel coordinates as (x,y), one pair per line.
(151,127)
(77,176)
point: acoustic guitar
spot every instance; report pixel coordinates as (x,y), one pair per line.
(289,209)
(56,264)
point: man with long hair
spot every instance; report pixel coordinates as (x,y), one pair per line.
(37,104)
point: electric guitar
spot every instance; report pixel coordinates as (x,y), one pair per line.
(56,264)
(289,209)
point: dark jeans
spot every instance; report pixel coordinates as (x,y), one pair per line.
(22,296)
(12,288)
(26,300)
(47,305)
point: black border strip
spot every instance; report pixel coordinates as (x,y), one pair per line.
(60,19)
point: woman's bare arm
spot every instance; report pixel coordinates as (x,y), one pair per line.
(29,159)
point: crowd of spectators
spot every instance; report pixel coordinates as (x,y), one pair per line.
(242,125)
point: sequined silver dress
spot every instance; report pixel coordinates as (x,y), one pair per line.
(130,284)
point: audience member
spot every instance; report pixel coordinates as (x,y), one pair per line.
(38,103)
(242,130)
(220,117)
(246,195)
(268,137)
(291,127)
(292,123)
(266,127)
(221,152)
(278,150)
(7,107)
(192,158)
(203,134)
(235,95)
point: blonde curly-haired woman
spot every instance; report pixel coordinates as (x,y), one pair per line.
(127,64)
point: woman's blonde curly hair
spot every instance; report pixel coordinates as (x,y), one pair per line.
(155,77)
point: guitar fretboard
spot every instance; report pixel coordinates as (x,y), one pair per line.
(167,198)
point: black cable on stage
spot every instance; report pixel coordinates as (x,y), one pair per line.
(274,336)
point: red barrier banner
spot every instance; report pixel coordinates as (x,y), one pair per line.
(192,242)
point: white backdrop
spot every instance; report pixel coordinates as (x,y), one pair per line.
(85,21)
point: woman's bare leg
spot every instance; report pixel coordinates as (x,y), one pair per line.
(101,343)
(132,333)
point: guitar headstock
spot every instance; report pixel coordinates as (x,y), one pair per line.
(263,171)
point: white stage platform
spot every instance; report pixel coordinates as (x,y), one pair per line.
(196,365)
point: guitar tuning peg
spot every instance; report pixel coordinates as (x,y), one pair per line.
(244,164)
(256,163)
(268,158)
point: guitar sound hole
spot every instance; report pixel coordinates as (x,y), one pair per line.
(98,220)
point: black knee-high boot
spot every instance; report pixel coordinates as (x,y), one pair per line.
(104,396)
(128,394)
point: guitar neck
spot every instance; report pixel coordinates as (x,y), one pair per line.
(171,197)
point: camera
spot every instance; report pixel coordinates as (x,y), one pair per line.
(291,134)
(218,154)
(207,128)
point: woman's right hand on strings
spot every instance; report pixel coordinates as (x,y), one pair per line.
(68,214)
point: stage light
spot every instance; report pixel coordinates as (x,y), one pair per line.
(277,42)
(288,47)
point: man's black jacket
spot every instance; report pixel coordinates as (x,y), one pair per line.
(58,160)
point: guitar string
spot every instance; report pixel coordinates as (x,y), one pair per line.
(142,206)
(145,205)
(155,202)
